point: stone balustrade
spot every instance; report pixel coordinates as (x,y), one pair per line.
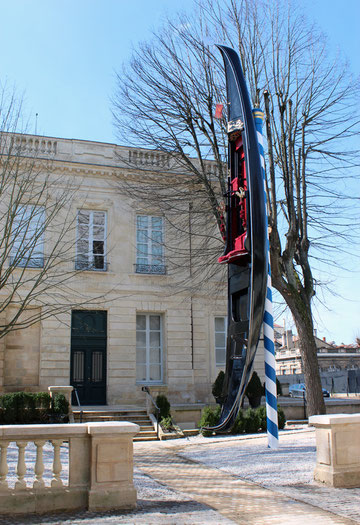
(151,159)
(337,449)
(34,145)
(99,457)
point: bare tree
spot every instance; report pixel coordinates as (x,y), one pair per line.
(37,228)
(165,100)
(173,114)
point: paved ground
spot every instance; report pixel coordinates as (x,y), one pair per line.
(288,470)
(224,480)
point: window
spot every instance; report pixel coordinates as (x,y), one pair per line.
(149,348)
(149,244)
(91,237)
(27,237)
(334,368)
(220,340)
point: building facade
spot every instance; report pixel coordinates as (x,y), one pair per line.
(331,357)
(127,325)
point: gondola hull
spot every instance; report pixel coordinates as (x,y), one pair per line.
(246,242)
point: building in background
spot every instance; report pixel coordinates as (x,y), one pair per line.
(339,364)
(331,357)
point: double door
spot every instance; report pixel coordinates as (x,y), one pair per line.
(88,356)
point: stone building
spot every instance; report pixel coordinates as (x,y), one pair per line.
(331,357)
(142,331)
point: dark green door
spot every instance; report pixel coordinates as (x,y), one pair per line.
(88,356)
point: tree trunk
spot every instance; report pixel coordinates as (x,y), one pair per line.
(308,351)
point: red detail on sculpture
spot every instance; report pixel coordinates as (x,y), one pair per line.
(235,185)
(236,250)
(239,251)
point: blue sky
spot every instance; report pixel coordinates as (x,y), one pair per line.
(63,54)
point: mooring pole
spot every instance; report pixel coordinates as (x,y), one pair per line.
(268,325)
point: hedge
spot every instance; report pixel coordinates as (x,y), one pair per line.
(20,408)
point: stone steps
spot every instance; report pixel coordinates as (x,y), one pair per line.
(137,416)
(145,435)
(191,432)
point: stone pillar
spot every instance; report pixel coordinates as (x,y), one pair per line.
(337,449)
(111,465)
(66,391)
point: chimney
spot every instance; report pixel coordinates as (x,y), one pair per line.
(324,339)
(289,339)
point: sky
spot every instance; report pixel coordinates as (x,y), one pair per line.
(63,55)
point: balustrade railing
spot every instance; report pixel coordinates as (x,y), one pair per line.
(34,145)
(32,473)
(149,158)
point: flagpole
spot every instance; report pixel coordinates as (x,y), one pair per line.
(268,325)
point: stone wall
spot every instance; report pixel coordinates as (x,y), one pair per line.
(22,356)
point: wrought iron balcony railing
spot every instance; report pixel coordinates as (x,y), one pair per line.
(89,266)
(27,262)
(155,269)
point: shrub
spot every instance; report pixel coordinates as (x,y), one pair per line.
(164,406)
(59,404)
(218,386)
(251,421)
(166,423)
(8,412)
(43,400)
(239,425)
(281,418)
(209,418)
(254,389)
(261,412)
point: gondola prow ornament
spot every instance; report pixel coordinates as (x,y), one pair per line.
(246,241)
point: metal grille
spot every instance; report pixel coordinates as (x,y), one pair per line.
(97,367)
(150,268)
(99,264)
(78,366)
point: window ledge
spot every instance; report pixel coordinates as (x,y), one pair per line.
(151,383)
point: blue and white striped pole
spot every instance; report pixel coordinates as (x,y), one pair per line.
(268,325)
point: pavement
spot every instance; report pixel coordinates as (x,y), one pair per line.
(224,480)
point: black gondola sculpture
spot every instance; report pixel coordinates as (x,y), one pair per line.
(245,243)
